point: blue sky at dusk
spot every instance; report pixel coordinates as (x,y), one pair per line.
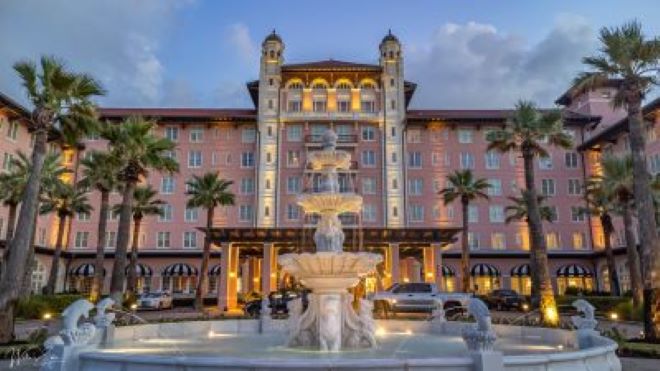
(463,54)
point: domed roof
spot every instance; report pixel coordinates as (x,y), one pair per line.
(273,36)
(390,37)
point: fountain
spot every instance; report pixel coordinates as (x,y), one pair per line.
(330,323)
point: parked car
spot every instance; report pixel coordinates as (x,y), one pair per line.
(277,302)
(505,299)
(417,297)
(155,300)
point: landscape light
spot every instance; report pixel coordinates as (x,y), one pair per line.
(525,307)
(614,316)
(47,316)
(134,306)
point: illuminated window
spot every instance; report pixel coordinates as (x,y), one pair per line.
(293,158)
(578,240)
(473,240)
(552,240)
(498,241)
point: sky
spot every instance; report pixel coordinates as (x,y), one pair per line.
(200,53)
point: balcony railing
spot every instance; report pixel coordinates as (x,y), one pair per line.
(331,115)
(341,138)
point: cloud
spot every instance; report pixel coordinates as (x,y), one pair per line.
(179,93)
(117,41)
(476,65)
(231,94)
(238,36)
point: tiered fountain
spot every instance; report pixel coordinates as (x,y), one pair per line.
(330,323)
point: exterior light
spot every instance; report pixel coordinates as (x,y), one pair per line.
(273,275)
(406,280)
(551,315)
(134,306)
(525,307)
(255,279)
(614,316)
(429,274)
(232,274)
(380,331)
(393,301)
(560,347)
(47,316)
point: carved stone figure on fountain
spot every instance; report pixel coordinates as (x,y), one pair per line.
(328,235)
(481,336)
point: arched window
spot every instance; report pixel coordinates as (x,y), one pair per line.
(296,85)
(272,54)
(319,86)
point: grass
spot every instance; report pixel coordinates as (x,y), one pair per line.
(639,349)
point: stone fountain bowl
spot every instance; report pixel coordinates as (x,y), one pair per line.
(336,159)
(329,271)
(330,201)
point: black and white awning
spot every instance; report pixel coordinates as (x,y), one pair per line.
(484,270)
(447,271)
(141,270)
(214,270)
(522,270)
(84,270)
(179,270)
(573,270)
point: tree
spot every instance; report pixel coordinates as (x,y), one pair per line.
(65,200)
(100,172)
(138,151)
(56,93)
(626,55)
(617,178)
(601,205)
(526,133)
(207,191)
(517,211)
(465,187)
(144,204)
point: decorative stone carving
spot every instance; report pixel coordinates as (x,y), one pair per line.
(587,320)
(102,318)
(479,337)
(71,333)
(438,313)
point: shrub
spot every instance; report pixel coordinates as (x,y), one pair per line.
(627,312)
(35,306)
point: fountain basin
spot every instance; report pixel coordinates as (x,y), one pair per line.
(325,159)
(330,202)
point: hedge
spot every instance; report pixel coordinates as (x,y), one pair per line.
(35,306)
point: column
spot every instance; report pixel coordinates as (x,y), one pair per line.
(391,260)
(269,269)
(433,264)
(227,290)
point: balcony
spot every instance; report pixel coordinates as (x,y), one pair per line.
(345,140)
(330,115)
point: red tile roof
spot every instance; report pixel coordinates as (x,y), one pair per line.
(477,115)
(7,101)
(200,114)
(331,65)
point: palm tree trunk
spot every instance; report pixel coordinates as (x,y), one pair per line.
(30,262)
(97,284)
(606,223)
(648,234)
(542,292)
(55,265)
(203,271)
(123,235)
(131,284)
(11,222)
(465,249)
(633,257)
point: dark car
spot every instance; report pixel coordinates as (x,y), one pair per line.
(277,302)
(505,299)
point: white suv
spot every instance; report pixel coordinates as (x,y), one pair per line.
(418,297)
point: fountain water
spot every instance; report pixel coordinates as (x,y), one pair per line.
(330,323)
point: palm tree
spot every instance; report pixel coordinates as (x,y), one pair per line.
(526,132)
(55,92)
(466,188)
(599,203)
(207,191)
(517,211)
(100,172)
(628,56)
(617,178)
(138,151)
(65,200)
(143,205)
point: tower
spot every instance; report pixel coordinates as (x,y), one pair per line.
(391,60)
(270,80)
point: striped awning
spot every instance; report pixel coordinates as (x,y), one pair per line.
(141,270)
(522,270)
(573,270)
(179,269)
(484,270)
(214,270)
(447,271)
(84,270)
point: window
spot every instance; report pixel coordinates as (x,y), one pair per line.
(172,133)
(495,188)
(248,135)
(574,187)
(554,215)
(81,239)
(368,133)
(578,240)
(292,212)
(189,240)
(294,106)
(414,136)
(369,158)
(473,214)
(548,187)
(294,133)
(498,241)
(416,213)
(196,135)
(464,136)
(12,130)
(571,160)
(467,160)
(293,185)
(110,240)
(416,186)
(545,163)
(247,186)
(394,158)
(194,159)
(368,106)
(343,106)
(293,158)
(247,159)
(552,240)
(163,240)
(473,241)
(170,154)
(496,214)
(245,213)
(393,104)
(166,215)
(8,161)
(83,217)
(369,213)
(167,185)
(415,160)
(368,185)
(191,214)
(576,214)
(492,160)
(319,106)
(395,184)
(450,212)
